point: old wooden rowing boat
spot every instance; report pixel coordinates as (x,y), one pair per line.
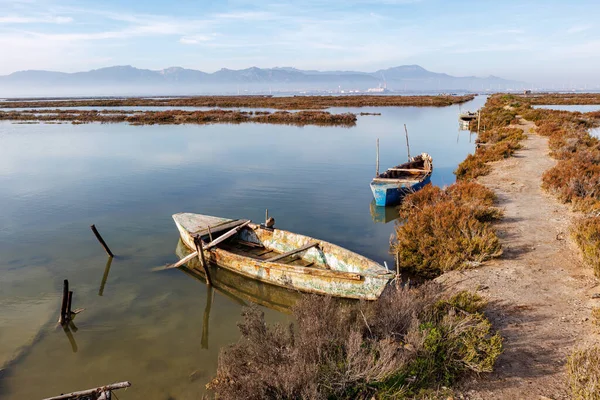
(390,186)
(283,258)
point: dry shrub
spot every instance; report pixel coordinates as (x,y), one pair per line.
(408,340)
(586,233)
(443,237)
(576,180)
(583,369)
(446,229)
(596,316)
(471,168)
(497,141)
(468,194)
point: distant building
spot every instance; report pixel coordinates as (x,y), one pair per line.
(379,89)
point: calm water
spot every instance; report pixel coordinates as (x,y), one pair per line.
(163,330)
(577,107)
(572,107)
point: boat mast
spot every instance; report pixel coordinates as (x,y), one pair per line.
(377,170)
(407,145)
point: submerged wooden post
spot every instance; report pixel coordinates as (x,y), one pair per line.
(102,242)
(407,145)
(377,168)
(200,251)
(63,307)
(69,303)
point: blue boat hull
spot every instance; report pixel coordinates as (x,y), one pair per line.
(389,194)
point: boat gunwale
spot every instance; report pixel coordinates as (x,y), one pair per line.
(372,269)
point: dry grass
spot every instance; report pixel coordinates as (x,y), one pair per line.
(408,341)
(446,229)
(583,369)
(282,103)
(586,233)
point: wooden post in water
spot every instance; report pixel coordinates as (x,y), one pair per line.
(407,145)
(102,242)
(200,250)
(377,169)
(69,302)
(63,307)
(266,215)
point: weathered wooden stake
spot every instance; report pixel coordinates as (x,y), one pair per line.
(69,302)
(407,145)
(377,163)
(102,242)
(266,216)
(63,307)
(200,250)
(478,120)
(209,233)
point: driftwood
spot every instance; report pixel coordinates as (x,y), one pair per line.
(289,253)
(102,242)
(92,393)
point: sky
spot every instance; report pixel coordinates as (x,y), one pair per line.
(552,42)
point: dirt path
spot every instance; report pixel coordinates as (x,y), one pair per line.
(539,291)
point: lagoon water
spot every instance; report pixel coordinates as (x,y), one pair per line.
(163,330)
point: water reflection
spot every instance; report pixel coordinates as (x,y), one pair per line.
(152,328)
(383,214)
(238,288)
(105,276)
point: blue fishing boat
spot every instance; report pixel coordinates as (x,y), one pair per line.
(392,185)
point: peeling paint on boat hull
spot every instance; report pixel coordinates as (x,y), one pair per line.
(345,274)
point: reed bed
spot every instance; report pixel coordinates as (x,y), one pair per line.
(409,343)
(283,103)
(177,117)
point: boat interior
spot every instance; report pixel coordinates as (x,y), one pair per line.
(247,243)
(417,169)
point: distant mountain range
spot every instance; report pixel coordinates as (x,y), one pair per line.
(128,80)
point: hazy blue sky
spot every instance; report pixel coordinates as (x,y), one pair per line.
(534,41)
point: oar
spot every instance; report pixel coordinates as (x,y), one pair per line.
(179,263)
(194,254)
